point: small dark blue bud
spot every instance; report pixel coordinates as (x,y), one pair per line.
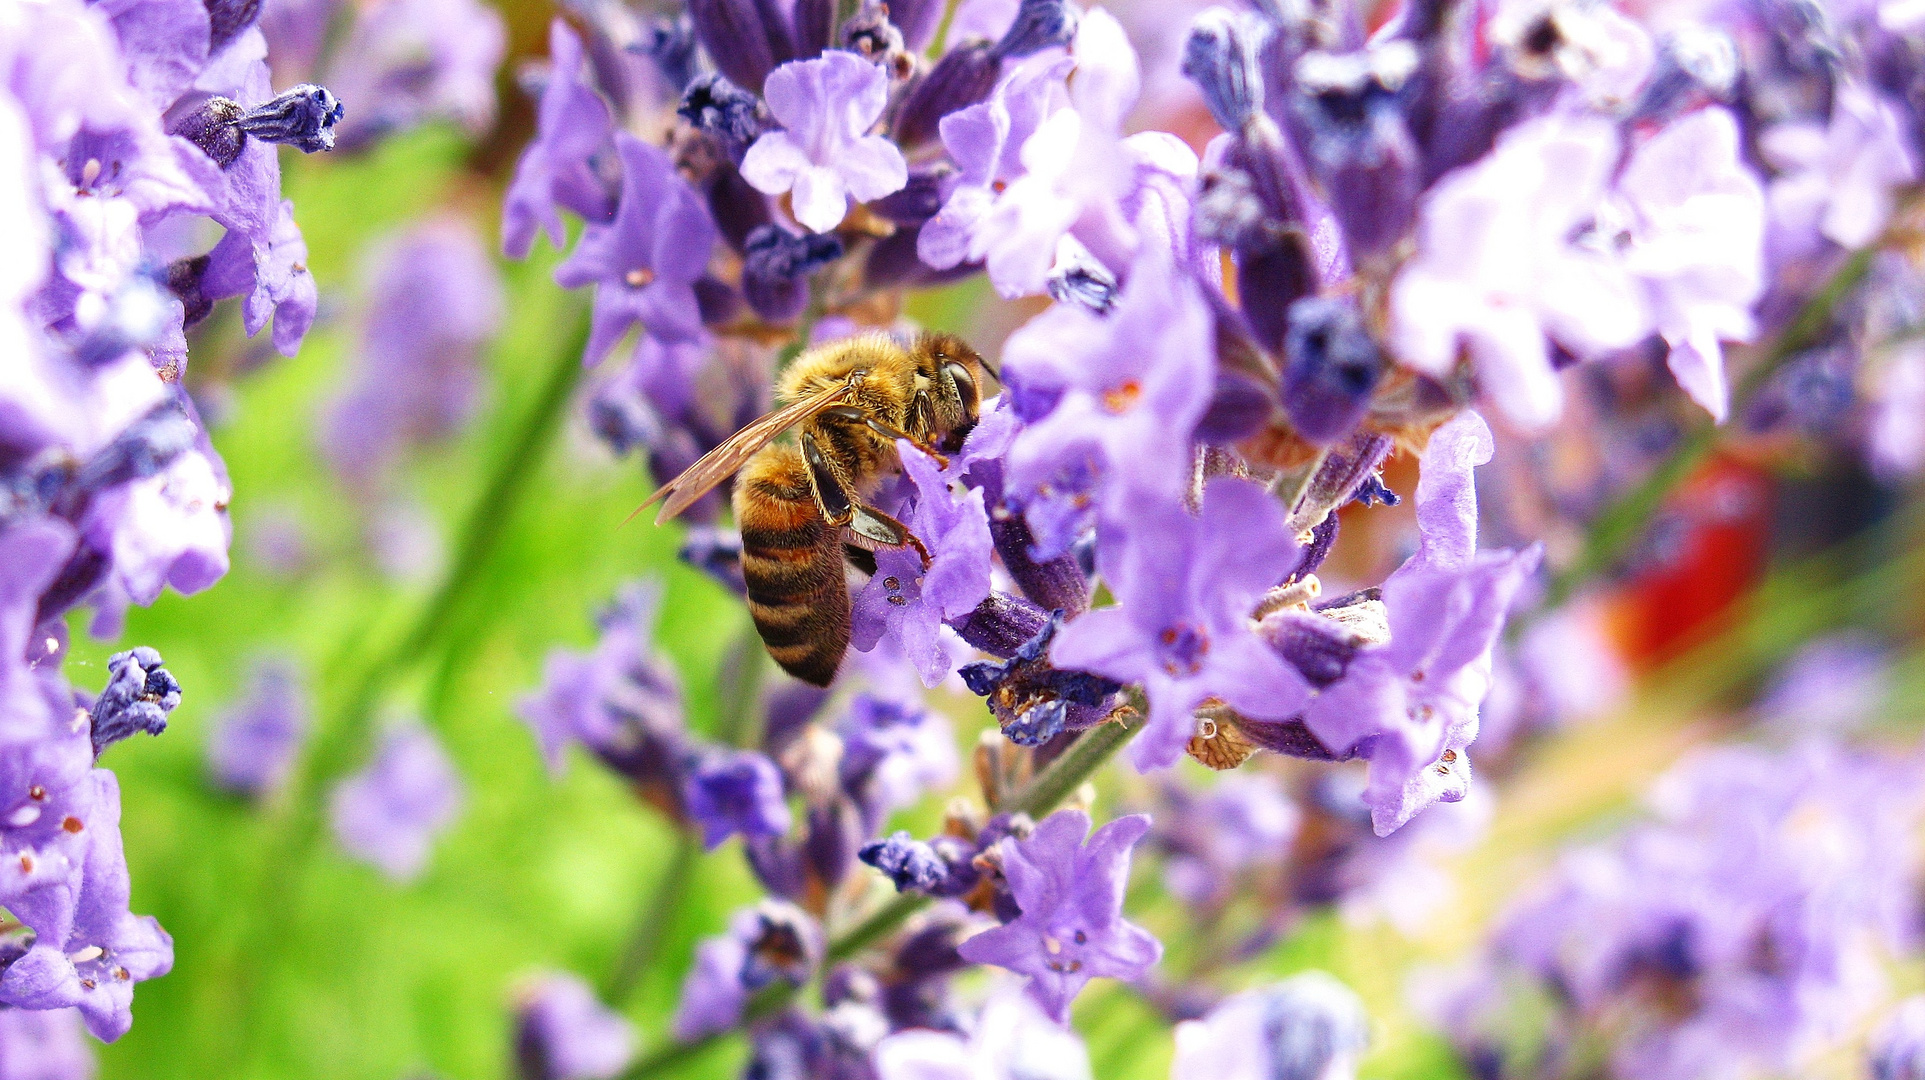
(724,111)
(1037,724)
(226,19)
(184,280)
(911,864)
(1270,282)
(1331,368)
(1039,24)
(963,77)
(214,127)
(139,694)
(776,265)
(1223,57)
(302,117)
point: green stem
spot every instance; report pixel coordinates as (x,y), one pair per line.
(1620,525)
(1064,775)
(651,929)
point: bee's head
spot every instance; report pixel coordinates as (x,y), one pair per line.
(957,370)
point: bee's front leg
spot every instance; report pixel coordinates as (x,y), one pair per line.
(863,526)
(853,415)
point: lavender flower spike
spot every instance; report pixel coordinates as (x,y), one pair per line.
(1185,587)
(644,263)
(1070,893)
(738,792)
(826,155)
(389,813)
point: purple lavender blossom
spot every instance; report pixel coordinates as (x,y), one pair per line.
(1307,1027)
(985,141)
(730,792)
(1838,182)
(910,602)
(564,1033)
(407,62)
(139,694)
(434,301)
(254,743)
(1185,589)
(558,169)
(893,752)
(1071,927)
(389,814)
(170,528)
(1416,697)
(713,994)
(1211,837)
(46,1045)
(1011,1039)
(1496,272)
(645,261)
(825,155)
(1897,1050)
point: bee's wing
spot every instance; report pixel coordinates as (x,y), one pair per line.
(725,460)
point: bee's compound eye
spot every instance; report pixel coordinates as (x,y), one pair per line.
(965,385)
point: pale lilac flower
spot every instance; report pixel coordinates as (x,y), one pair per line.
(170,528)
(1307,1027)
(1838,182)
(1896,436)
(255,740)
(557,169)
(644,263)
(1695,240)
(1496,271)
(1416,697)
(407,62)
(985,141)
(825,155)
(389,814)
(404,541)
(564,1033)
(44,1045)
(1070,893)
(1185,587)
(1833,684)
(909,602)
(1011,1039)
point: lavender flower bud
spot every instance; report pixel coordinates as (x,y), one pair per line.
(735,792)
(738,209)
(214,127)
(814,27)
(1222,56)
(836,832)
(1039,24)
(928,188)
(1001,624)
(1332,365)
(963,77)
(226,19)
(184,280)
(1270,284)
(1032,701)
(724,111)
(785,944)
(1360,145)
(670,43)
(302,117)
(745,38)
(776,266)
(138,696)
(911,864)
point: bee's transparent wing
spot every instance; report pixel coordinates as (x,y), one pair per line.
(725,460)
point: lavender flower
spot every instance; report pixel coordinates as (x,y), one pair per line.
(713,993)
(645,261)
(389,814)
(1211,837)
(824,155)
(735,792)
(254,742)
(910,602)
(1185,588)
(49,1045)
(1837,182)
(1307,1027)
(1070,894)
(138,696)
(563,1033)
(1011,1039)
(1898,1046)
(985,141)
(406,62)
(558,169)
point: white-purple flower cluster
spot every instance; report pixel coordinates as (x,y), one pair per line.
(128,132)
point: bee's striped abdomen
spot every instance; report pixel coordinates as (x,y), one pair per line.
(792,562)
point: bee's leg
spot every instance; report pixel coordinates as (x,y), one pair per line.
(872,529)
(854,415)
(832,497)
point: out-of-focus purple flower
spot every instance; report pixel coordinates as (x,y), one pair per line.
(434,300)
(910,864)
(1307,1027)
(404,541)
(730,792)
(1832,685)
(139,694)
(985,141)
(909,602)
(1185,589)
(407,62)
(389,814)
(644,263)
(1897,1048)
(825,155)
(563,1033)
(1106,397)
(1497,273)
(1212,836)
(255,740)
(557,169)
(44,1045)
(1695,239)
(1839,182)
(170,528)
(1895,441)
(1070,893)
(295,31)
(1416,697)
(713,993)
(1011,1039)
(893,752)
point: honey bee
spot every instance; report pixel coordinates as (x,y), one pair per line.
(803,507)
